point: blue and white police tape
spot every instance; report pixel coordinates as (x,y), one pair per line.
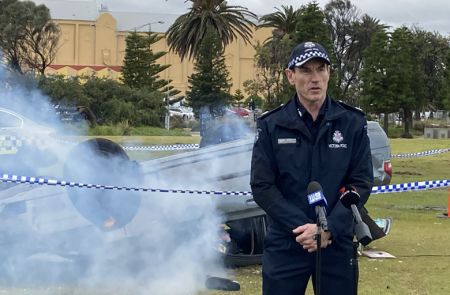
(411,186)
(393,188)
(172,147)
(55,182)
(422,154)
(179,147)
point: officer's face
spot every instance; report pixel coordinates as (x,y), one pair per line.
(310,81)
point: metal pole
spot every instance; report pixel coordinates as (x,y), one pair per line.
(318,257)
(168,112)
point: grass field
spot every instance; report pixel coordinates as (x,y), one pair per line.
(419,239)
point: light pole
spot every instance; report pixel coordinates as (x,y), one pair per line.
(167,100)
(149,25)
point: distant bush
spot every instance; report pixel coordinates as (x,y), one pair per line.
(397,131)
(110,101)
(419,126)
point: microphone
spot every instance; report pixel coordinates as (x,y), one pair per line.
(218,283)
(349,199)
(317,199)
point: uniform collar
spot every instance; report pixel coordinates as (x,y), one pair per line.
(289,119)
(301,110)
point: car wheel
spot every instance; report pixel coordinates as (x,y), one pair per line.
(101,161)
(247,241)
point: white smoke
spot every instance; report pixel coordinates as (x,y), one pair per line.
(51,236)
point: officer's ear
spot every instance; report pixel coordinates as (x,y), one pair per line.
(290,75)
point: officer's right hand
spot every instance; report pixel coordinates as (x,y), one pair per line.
(306,236)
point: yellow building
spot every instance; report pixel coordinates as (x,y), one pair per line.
(93,42)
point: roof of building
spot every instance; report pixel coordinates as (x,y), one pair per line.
(74,10)
(88,10)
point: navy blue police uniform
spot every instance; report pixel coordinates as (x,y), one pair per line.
(289,152)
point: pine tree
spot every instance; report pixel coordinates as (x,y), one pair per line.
(210,84)
(140,69)
(376,92)
(312,26)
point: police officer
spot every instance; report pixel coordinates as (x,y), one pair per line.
(311,138)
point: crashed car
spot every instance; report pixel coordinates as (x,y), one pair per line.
(212,179)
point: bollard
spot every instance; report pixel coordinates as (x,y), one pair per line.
(448,204)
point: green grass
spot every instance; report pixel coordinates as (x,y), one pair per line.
(419,239)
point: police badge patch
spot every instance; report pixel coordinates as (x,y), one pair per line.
(337,139)
(337,136)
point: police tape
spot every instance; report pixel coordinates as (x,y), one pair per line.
(393,188)
(55,182)
(172,147)
(422,154)
(178,147)
(411,186)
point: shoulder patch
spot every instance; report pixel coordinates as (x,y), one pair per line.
(351,108)
(267,113)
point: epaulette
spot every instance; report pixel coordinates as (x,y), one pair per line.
(267,113)
(351,108)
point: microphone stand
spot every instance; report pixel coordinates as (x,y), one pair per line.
(318,238)
(355,265)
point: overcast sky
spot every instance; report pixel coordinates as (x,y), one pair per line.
(432,15)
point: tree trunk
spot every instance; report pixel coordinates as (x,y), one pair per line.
(417,115)
(407,119)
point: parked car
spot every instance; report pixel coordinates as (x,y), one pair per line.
(182,112)
(72,114)
(242,112)
(381,154)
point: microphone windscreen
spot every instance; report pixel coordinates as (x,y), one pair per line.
(314,186)
(349,198)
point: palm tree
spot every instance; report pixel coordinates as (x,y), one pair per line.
(228,22)
(284,20)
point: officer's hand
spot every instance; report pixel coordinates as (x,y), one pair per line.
(306,234)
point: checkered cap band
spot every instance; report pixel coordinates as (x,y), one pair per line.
(301,59)
(306,51)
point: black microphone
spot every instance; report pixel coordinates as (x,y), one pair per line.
(317,199)
(218,283)
(349,199)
